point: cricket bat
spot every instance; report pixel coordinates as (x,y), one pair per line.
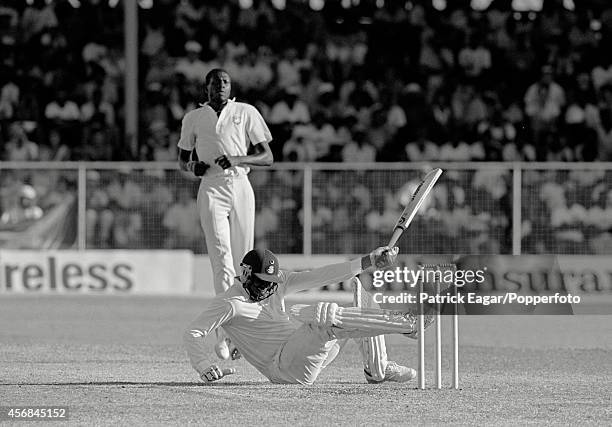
(420,194)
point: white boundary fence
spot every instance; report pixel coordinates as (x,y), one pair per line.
(516,169)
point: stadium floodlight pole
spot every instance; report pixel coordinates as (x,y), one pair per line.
(130,26)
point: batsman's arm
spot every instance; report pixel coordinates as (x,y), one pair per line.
(334,273)
(323,276)
(216,314)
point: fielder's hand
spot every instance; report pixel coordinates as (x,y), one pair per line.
(197,168)
(226,161)
(214,373)
(383,257)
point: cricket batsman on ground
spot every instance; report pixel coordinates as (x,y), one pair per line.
(294,349)
(221,132)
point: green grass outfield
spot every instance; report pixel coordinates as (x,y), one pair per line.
(118,360)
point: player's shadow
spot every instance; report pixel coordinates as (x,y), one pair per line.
(174,384)
(137,384)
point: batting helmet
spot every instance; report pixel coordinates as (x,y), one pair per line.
(260,274)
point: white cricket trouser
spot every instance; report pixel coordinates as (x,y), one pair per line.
(227,214)
(312,348)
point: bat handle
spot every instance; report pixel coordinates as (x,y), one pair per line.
(395,237)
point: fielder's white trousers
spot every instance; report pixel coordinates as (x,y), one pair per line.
(227,214)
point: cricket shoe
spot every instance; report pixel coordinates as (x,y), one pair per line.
(395,373)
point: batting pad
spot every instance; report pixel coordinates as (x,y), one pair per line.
(369,321)
(373,349)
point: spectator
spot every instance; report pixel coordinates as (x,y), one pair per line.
(358,150)
(125,198)
(98,147)
(499,137)
(24,210)
(442,117)
(475,58)
(299,149)
(154,41)
(63,114)
(9,99)
(19,147)
(192,67)
(603,124)
(422,150)
(160,71)
(318,137)
(157,110)
(288,69)
(379,131)
(55,150)
(267,222)
(543,103)
(100,218)
(602,73)
(435,58)
(37,16)
(94,51)
(189,15)
(159,146)
(96,106)
(289,110)
(455,151)
(182,224)
(257,73)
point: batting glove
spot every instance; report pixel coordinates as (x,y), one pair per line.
(383,257)
(214,373)
(197,168)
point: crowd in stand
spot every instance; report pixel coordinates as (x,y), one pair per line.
(401,82)
(567,212)
(467,212)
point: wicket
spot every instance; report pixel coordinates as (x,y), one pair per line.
(438,329)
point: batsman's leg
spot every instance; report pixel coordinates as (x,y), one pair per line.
(355,322)
(373,349)
(301,359)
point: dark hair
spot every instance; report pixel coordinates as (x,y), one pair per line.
(212,73)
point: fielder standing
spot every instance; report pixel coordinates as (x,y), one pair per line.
(221,131)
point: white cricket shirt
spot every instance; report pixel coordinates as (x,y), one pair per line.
(237,126)
(258,329)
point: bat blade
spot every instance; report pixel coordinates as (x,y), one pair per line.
(418,197)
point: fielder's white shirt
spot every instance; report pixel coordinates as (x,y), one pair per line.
(238,125)
(258,329)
